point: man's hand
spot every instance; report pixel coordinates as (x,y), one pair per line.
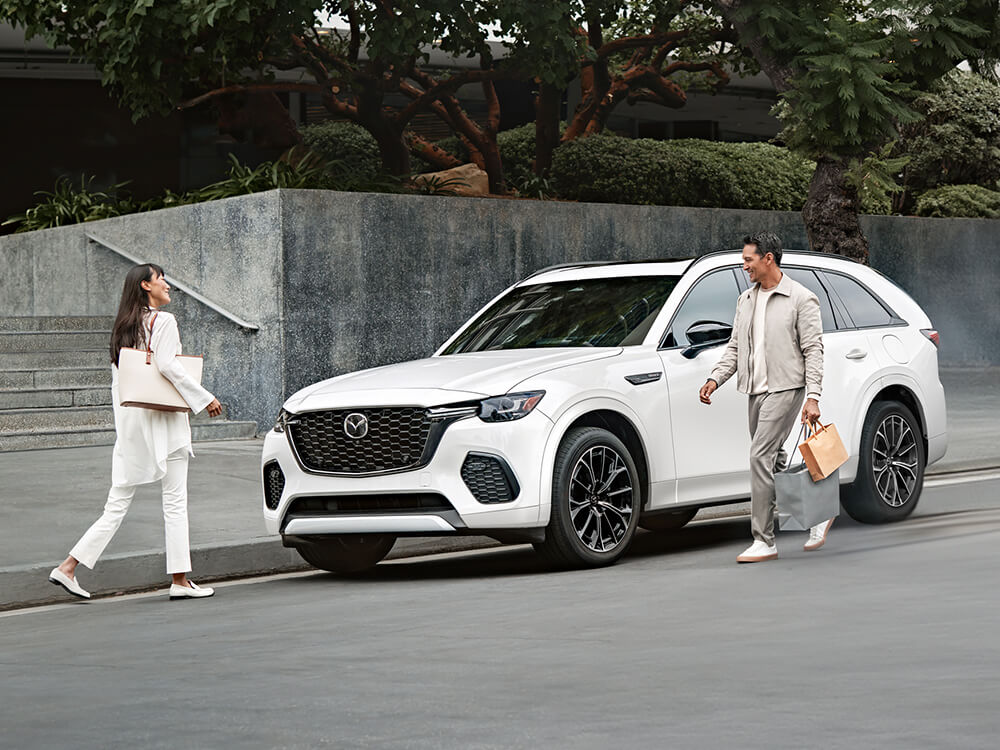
(708,389)
(810,411)
(214,408)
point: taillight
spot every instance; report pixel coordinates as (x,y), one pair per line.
(933,335)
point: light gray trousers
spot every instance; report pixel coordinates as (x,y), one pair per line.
(772,416)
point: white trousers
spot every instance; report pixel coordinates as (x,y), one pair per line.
(175,518)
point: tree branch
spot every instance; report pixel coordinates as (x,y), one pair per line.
(254,88)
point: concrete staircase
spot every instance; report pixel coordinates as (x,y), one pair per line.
(55,386)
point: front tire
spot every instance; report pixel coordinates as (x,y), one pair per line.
(890,466)
(347,553)
(596,499)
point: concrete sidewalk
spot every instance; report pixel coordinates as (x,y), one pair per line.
(49,497)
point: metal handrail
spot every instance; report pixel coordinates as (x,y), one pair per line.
(175,283)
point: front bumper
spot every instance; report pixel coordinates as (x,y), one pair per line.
(520,444)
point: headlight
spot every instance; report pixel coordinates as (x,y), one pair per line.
(510,407)
(284,419)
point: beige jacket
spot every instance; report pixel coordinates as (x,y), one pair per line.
(793,344)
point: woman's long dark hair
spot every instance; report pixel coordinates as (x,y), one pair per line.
(128,329)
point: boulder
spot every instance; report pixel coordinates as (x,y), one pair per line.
(467,179)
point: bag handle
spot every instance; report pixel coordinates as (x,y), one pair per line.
(149,340)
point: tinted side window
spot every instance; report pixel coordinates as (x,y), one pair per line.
(712,298)
(808,279)
(864,309)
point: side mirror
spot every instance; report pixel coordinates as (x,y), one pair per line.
(704,334)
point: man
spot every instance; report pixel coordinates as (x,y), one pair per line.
(776,351)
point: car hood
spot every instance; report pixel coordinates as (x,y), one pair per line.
(441,380)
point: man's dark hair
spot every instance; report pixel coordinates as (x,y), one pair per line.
(765,242)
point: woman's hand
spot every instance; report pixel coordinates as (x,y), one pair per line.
(214,408)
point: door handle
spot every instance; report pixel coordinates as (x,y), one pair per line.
(856,354)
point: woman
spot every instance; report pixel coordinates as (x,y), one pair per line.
(150,445)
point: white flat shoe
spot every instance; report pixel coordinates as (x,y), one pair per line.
(758,552)
(70,584)
(192,591)
(817,535)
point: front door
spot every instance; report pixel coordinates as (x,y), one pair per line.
(711,442)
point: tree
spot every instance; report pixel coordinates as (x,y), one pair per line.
(620,51)
(846,72)
(157,55)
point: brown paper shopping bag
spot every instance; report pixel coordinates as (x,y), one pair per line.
(823,452)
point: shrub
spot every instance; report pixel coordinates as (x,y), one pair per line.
(344,143)
(681,173)
(67,204)
(960,200)
(958,141)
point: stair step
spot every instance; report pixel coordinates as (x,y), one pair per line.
(33,398)
(73,377)
(58,323)
(70,438)
(90,359)
(26,420)
(52,341)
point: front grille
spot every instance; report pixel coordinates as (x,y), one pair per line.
(326,505)
(274,485)
(489,479)
(395,440)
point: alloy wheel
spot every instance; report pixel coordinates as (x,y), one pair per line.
(894,461)
(601,498)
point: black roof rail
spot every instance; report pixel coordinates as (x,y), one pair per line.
(783,250)
(590,263)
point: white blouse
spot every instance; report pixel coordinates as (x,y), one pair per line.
(145,437)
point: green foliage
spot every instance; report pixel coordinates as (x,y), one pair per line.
(344,143)
(680,173)
(67,204)
(535,187)
(853,67)
(156,53)
(517,151)
(960,200)
(439,185)
(875,179)
(958,141)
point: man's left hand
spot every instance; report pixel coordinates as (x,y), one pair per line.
(810,411)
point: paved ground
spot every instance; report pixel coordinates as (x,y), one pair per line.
(886,638)
(50,497)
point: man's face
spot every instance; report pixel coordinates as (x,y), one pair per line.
(754,265)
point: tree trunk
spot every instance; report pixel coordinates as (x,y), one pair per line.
(547,105)
(392,146)
(831,213)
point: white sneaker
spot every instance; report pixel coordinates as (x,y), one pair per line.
(758,552)
(817,535)
(191,591)
(70,584)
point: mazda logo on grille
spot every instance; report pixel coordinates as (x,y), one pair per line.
(356,426)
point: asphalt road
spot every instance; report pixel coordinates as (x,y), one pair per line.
(886,638)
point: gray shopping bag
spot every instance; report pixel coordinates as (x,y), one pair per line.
(803,503)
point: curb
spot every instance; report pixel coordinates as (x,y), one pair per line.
(130,572)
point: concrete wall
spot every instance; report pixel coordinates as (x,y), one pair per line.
(343,281)
(229,251)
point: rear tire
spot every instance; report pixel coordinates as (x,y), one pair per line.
(596,499)
(668,521)
(890,466)
(347,553)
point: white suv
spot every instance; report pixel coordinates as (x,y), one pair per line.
(566,414)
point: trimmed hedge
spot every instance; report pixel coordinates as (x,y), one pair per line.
(610,169)
(344,143)
(972,201)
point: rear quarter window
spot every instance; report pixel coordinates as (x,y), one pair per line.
(864,308)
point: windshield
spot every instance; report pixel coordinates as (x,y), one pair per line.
(588,312)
